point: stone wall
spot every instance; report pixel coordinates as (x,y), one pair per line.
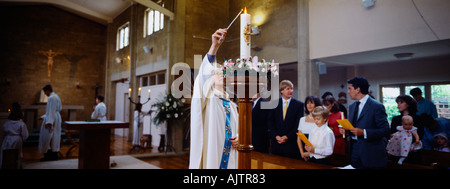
(28,29)
(277,20)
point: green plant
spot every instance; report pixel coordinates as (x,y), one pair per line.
(169,109)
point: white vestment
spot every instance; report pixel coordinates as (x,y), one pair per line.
(138,127)
(208,123)
(14,133)
(49,138)
(99,112)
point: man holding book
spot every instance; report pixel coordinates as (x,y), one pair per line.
(371,127)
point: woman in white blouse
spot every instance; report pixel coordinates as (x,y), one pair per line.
(306,123)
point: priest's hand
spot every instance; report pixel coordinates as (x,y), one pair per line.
(234,141)
(217,39)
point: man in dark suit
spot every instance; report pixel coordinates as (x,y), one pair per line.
(260,128)
(283,123)
(371,127)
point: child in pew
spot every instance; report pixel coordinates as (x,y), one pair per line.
(400,143)
(441,142)
(321,137)
(14,133)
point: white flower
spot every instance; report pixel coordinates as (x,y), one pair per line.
(175,115)
(167,104)
(255,67)
(255,60)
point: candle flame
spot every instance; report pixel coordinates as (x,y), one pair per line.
(245,10)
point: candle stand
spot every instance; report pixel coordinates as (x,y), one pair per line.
(138,147)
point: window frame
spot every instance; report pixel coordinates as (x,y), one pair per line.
(426,93)
(153,79)
(149,23)
(123,36)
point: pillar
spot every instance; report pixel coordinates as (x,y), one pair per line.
(308,74)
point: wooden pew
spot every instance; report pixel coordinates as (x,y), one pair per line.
(268,161)
(339,160)
(9,160)
(439,160)
(429,160)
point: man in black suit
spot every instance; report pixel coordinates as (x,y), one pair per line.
(284,121)
(260,128)
(371,127)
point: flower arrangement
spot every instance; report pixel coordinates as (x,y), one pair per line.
(252,64)
(169,109)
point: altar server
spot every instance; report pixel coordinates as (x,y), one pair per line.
(50,135)
(100,109)
(14,133)
(214,118)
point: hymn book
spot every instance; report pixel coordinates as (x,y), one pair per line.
(304,139)
(345,124)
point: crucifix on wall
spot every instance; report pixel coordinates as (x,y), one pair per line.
(50,54)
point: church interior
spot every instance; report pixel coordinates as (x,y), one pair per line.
(124,50)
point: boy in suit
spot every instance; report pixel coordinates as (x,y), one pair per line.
(371,127)
(284,122)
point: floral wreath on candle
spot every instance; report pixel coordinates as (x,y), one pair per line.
(252,64)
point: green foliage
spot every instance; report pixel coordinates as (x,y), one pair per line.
(169,109)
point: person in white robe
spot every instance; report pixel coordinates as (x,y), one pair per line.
(138,125)
(214,118)
(14,133)
(99,110)
(50,133)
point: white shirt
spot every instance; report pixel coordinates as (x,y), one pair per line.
(362,103)
(322,139)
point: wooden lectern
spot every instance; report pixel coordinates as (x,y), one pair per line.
(245,116)
(95,141)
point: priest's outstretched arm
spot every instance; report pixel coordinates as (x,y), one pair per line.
(217,39)
(207,71)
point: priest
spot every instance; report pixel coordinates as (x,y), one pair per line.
(50,135)
(214,118)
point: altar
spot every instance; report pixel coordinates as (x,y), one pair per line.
(95,141)
(31,114)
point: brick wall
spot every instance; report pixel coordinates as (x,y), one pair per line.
(27,29)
